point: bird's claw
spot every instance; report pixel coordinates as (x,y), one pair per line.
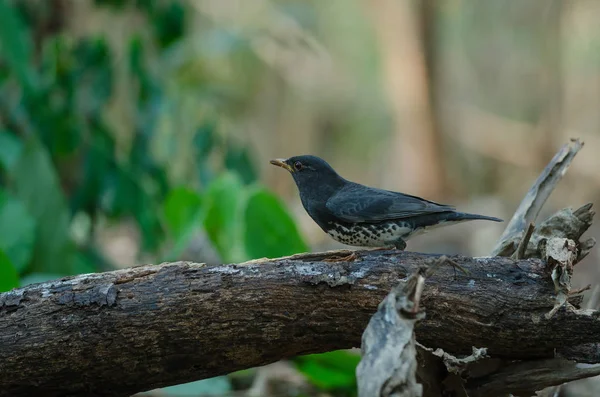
(380,249)
(348,258)
(444,260)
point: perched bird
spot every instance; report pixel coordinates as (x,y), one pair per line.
(358,215)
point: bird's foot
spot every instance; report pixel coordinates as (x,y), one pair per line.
(444,260)
(380,248)
(348,258)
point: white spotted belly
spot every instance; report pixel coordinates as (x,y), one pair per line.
(381,235)
(367,235)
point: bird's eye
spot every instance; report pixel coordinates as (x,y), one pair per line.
(298,165)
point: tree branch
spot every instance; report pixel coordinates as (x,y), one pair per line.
(535,198)
(136,329)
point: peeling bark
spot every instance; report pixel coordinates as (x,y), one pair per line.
(388,366)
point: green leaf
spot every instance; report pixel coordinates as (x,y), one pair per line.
(17,231)
(224,198)
(143,187)
(168,23)
(146,215)
(238,159)
(10,149)
(93,73)
(330,371)
(37,186)
(90,259)
(183,213)
(148,84)
(205,139)
(82,263)
(9,278)
(180,206)
(205,142)
(15,44)
(98,172)
(134,194)
(269,229)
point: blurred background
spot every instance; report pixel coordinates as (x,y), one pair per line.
(141,131)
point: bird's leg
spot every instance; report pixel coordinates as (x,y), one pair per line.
(400,244)
(348,258)
(387,248)
(444,260)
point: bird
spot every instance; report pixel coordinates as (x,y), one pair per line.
(358,215)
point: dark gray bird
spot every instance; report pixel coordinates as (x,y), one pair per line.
(359,215)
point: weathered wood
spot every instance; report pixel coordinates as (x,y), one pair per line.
(526,377)
(388,366)
(136,329)
(534,200)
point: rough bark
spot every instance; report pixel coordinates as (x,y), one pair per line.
(130,330)
(388,366)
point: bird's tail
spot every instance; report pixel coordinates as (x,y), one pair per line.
(460,216)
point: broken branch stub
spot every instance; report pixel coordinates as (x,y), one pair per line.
(564,224)
(535,198)
(520,252)
(389,364)
(560,255)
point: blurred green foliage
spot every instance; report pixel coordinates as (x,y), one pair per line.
(333,371)
(60,162)
(63,170)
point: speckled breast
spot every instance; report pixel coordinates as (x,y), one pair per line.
(369,234)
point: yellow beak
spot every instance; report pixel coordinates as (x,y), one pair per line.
(281,163)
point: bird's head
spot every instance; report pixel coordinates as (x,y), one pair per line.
(309,170)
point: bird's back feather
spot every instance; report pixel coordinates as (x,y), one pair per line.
(359,203)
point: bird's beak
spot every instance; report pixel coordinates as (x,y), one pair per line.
(281,163)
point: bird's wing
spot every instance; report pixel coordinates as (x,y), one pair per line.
(358,203)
